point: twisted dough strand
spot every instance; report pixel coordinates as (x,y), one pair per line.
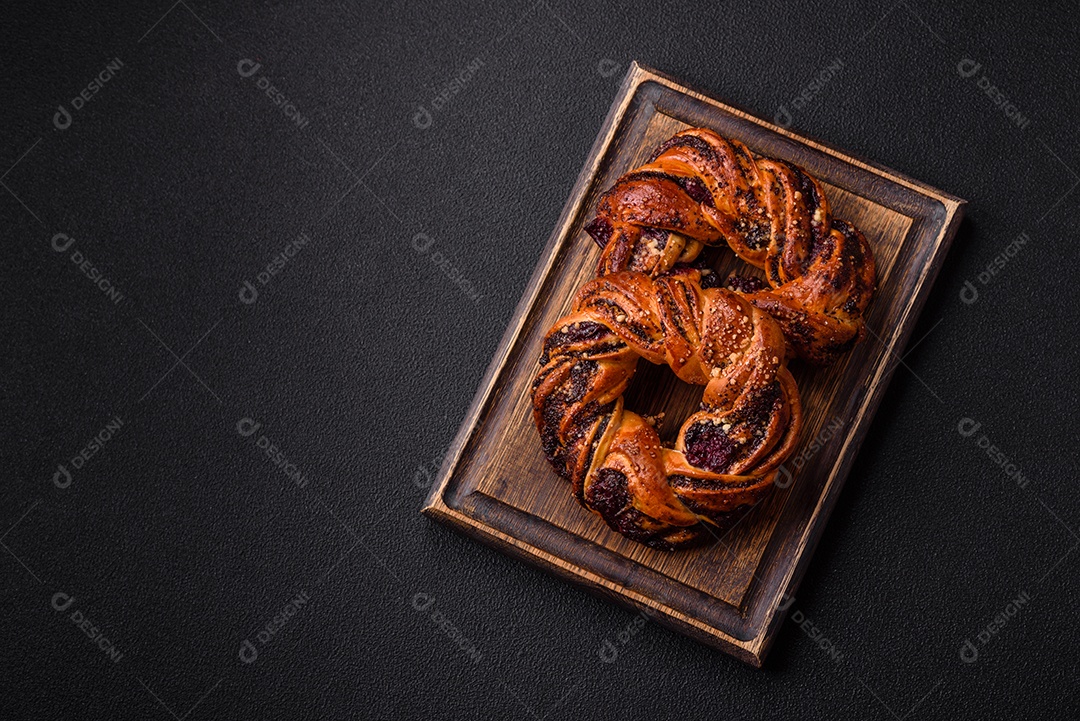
(699,189)
(726,453)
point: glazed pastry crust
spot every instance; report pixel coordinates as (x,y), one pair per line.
(651,301)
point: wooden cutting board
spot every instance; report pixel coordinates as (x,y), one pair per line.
(495,484)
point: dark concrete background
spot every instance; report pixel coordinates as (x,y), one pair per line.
(179,540)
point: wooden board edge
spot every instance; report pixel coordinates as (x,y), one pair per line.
(634,77)
(648,73)
(754,650)
(749,652)
(853,441)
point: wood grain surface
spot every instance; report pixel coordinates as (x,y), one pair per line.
(496,485)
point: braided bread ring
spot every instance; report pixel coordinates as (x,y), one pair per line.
(699,189)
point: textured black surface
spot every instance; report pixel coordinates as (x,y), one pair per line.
(180,539)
